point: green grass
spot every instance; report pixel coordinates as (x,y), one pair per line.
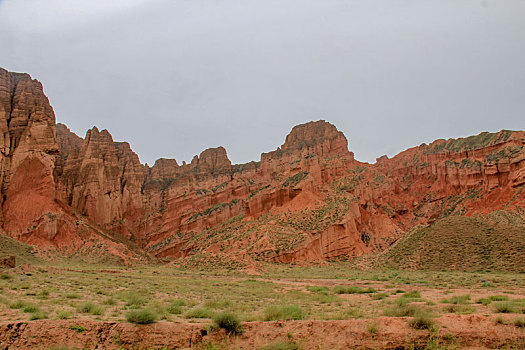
(38,315)
(457,299)
(91,308)
(504,308)
(30,308)
(64,315)
(77,328)
(199,312)
(283,312)
(352,290)
(373,328)
(144,316)
(422,322)
(484,301)
(409,310)
(459,309)
(282,345)
(228,321)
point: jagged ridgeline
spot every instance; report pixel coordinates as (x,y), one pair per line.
(307,201)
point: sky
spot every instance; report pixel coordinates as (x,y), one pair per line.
(174,77)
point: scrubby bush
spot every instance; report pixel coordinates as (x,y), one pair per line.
(317,289)
(504,308)
(283,312)
(19,304)
(282,345)
(457,299)
(135,300)
(90,308)
(422,322)
(38,315)
(412,295)
(410,310)
(352,290)
(228,321)
(77,328)
(199,312)
(144,316)
(373,328)
(484,301)
(30,308)
(499,298)
(64,315)
(520,323)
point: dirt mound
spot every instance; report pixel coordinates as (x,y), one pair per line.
(472,331)
(486,243)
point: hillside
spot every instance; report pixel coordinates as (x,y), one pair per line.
(307,201)
(491,243)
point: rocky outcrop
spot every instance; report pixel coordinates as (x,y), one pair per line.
(28,150)
(101,179)
(309,200)
(35,209)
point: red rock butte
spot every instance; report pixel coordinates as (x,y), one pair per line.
(307,201)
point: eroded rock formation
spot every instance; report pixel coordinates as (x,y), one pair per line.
(309,200)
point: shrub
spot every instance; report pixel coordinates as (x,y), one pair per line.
(283,312)
(174,309)
(19,304)
(504,308)
(457,299)
(39,315)
(459,309)
(217,304)
(144,316)
(373,328)
(498,298)
(405,311)
(520,323)
(484,301)
(30,308)
(90,308)
(379,296)
(110,301)
(135,300)
(6,276)
(229,322)
(352,290)
(77,328)
(64,315)
(412,295)
(73,296)
(199,312)
(421,322)
(317,289)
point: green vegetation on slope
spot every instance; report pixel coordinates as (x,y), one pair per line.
(492,243)
(469,143)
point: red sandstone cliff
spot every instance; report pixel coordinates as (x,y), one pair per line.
(309,200)
(33,210)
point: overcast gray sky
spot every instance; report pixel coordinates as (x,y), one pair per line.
(173,77)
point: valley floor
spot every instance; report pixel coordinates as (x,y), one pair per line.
(330,306)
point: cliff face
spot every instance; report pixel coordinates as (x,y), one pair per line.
(309,200)
(31,167)
(28,151)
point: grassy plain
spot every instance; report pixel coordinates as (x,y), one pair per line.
(325,292)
